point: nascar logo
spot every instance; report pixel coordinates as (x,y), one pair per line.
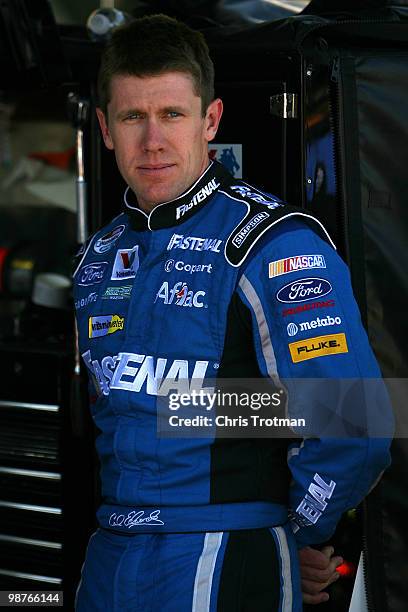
(293,264)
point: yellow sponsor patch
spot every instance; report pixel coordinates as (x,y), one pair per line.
(302,350)
(103,325)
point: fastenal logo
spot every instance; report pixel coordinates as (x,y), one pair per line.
(200,196)
(81,303)
(193,243)
(318,347)
(246,192)
(292,329)
(186,267)
(180,295)
(155,375)
(303,290)
(117,293)
(320,322)
(248,228)
(92,273)
(103,325)
(126,264)
(293,264)
(108,240)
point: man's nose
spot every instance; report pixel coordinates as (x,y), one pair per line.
(153,138)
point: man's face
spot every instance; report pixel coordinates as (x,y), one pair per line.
(160,138)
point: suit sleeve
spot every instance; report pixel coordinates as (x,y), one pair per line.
(308,333)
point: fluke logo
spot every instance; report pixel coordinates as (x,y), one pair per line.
(318,347)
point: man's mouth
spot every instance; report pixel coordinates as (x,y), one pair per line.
(151,168)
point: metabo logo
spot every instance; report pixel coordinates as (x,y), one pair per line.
(155,376)
(193,243)
(248,228)
(103,325)
(293,264)
(92,273)
(180,295)
(292,329)
(318,347)
(328,321)
(303,290)
(126,264)
(199,197)
(108,240)
(320,322)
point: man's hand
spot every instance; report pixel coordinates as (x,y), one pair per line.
(317,571)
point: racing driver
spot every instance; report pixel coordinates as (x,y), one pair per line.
(203,275)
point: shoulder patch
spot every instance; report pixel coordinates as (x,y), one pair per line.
(263,212)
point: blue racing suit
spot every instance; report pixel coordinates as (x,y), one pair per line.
(214,283)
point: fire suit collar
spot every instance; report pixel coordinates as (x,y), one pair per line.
(181,208)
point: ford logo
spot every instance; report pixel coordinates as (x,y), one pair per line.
(92,273)
(303,290)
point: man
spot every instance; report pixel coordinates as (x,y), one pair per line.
(201,276)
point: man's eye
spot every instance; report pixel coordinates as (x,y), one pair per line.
(131,116)
(173,114)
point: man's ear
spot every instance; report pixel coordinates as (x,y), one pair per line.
(107,139)
(212,118)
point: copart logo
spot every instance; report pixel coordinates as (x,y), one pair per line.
(108,240)
(92,273)
(294,264)
(103,325)
(193,243)
(186,267)
(199,197)
(180,295)
(155,375)
(126,264)
(303,290)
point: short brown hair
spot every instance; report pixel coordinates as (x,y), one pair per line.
(154,45)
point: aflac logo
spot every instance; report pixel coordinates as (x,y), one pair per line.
(180,295)
(303,290)
(108,240)
(126,264)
